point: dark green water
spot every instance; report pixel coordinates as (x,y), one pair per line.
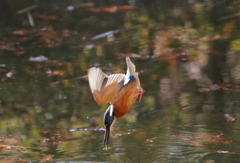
(47,112)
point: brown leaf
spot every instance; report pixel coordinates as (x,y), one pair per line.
(10,140)
(150,140)
(46,158)
(46,17)
(126,7)
(195,139)
(11,148)
(110,9)
(24,32)
(83,5)
(56,73)
(213,138)
(45,41)
(189,140)
(223,152)
(30,71)
(195,143)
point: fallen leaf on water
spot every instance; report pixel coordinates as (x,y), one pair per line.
(23,32)
(50,35)
(46,158)
(213,138)
(126,7)
(10,147)
(150,140)
(229,118)
(10,140)
(56,73)
(30,71)
(94,9)
(46,17)
(196,140)
(182,137)
(20,32)
(83,5)
(67,33)
(22,39)
(209,38)
(18,52)
(195,143)
(110,9)
(189,140)
(45,41)
(224,87)
(223,152)
(15,41)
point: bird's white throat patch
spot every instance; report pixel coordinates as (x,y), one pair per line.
(111,110)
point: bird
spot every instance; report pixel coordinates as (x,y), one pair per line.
(119,90)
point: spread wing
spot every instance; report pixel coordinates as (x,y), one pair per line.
(103,87)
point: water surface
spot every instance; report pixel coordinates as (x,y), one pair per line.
(188,113)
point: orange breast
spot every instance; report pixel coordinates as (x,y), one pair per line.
(125,99)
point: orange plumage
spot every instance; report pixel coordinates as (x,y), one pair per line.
(108,89)
(119,90)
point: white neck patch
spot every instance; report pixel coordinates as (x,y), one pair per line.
(111,110)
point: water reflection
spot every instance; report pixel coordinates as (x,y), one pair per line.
(189,112)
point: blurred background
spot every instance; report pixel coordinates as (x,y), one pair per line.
(187,54)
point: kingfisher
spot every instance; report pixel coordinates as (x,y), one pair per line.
(119,90)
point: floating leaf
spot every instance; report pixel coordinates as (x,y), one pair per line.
(83,5)
(229,118)
(150,140)
(212,139)
(46,158)
(56,73)
(110,9)
(46,17)
(196,140)
(223,152)
(11,148)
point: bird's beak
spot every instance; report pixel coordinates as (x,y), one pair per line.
(106,137)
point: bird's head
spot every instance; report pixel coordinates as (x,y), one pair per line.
(109,120)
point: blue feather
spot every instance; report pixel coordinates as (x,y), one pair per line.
(131,79)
